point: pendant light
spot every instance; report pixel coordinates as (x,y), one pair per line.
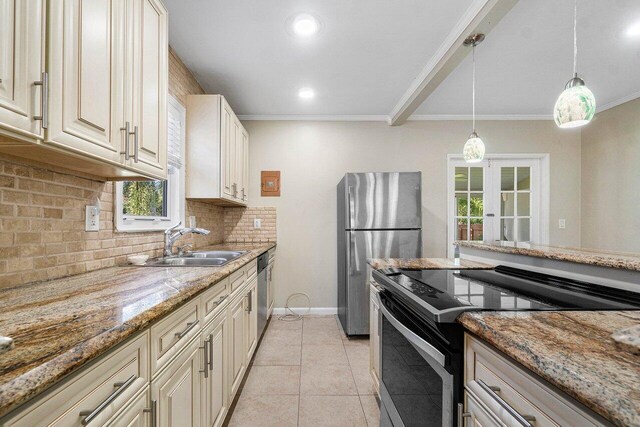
(576,105)
(473,151)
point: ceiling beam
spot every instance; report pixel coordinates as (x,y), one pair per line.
(481,17)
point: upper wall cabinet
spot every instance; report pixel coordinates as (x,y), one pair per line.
(98,102)
(217,152)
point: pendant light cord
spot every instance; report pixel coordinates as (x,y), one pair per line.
(575,37)
(473,87)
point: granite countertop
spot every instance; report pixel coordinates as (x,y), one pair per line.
(427,264)
(59,325)
(574,351)
(620,260)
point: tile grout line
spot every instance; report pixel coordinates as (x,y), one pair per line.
(351,371)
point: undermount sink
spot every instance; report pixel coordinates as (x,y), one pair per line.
(198,259)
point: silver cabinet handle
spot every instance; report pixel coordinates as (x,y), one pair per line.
(211,351)
(222,298)
(44,100)
(136,147)
(462,415)
(186,330)
(89,416)
(127,132)
(250,305)
(206,348)
(243,196)
(154,413)
(235,189)
(524,420)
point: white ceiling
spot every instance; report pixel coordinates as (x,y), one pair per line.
(361,62)
(369,51)
(524,63)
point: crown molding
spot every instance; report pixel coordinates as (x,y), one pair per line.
(444,117)
(617,102)
(315,118)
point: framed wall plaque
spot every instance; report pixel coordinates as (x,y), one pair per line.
(270,183)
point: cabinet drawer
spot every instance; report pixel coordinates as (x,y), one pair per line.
(98,391)
(237,278)
(521,390)
(214,299)
(252,269)
(272,253)
(172,333)
(477,415)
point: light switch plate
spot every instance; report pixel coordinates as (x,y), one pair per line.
(92,218)
(562,224)
(257,223)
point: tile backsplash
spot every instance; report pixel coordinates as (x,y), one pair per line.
(42,225)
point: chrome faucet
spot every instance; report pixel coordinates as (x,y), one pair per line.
(170,238)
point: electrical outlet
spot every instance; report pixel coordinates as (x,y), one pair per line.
(257,223)
(92,218)
(562,224)
(192,221)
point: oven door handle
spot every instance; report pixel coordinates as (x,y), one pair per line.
(411,336)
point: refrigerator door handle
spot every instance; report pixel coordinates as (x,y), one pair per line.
(349,251)
(349,207)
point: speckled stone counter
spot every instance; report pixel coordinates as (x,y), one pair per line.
(574,351)
(427,264)
(624,261)
(59,325)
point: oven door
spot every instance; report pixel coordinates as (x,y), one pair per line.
(416,389)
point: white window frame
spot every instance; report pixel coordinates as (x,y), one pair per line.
(175,192)
(543,184)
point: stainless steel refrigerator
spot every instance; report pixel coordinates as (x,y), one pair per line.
(379,216)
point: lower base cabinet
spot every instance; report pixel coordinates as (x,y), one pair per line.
(177,389)
(251,323)
(374,340)
(237,321)
(138,413)
(214,392)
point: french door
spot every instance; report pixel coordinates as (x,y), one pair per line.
(495,200)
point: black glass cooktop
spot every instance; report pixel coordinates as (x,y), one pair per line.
(446,293)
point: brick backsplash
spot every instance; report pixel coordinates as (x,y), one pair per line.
(238,224)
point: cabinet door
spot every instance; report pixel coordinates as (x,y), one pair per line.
(476,415)
(237,344)
(228,149)
(245,166)
(148,88)
(86,72)
(214,387)
(22,31)
(251,314)
(239,161)
(270,293)
(177,390)
(137,413)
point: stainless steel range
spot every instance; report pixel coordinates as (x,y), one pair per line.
(421,345)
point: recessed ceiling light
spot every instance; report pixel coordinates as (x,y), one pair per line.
(306,93)
(634,30)
(305,25)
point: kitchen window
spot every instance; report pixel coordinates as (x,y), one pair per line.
(503,198)
(157,205)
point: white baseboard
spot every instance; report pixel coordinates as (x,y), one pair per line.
(326,311)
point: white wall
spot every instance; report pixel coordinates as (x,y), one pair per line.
(313,156)
(611,179)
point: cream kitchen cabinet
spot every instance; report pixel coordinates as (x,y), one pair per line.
(237,355)
(140,412)
(22,39)
(85,107)
(217,152)
(374,334)
(251,313)
(270,287)
(177,389)
(214,393)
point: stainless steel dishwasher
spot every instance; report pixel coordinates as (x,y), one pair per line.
(263,261)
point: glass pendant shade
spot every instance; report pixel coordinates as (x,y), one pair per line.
(473,151)
(575,106)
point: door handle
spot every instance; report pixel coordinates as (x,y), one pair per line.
(44,100)
(211,351)
(154,413)
(186,330)
(127,132)
(89,416)
(206,348)
(250,298)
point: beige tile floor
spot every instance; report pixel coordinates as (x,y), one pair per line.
(308,373)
